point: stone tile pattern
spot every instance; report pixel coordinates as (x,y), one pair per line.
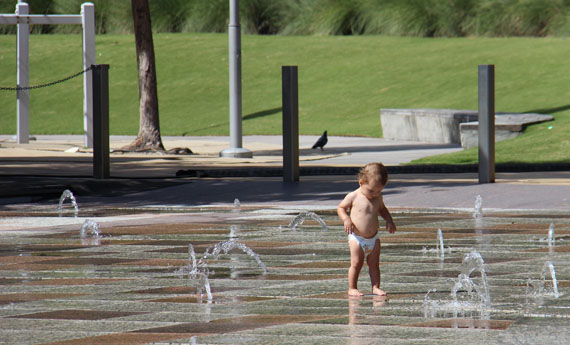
(54,290)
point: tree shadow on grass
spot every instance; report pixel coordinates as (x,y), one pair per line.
(550,110)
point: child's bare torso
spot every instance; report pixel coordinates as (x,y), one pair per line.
(364,215)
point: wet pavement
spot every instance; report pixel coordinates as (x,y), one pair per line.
(136,285)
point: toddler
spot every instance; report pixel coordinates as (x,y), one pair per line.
(365,205)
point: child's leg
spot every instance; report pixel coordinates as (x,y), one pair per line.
(373,262)
(356,262)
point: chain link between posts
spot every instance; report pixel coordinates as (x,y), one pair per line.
(18,88)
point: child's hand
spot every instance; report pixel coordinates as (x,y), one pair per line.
(391,227)
(348,226)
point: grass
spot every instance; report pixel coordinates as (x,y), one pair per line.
(343,82)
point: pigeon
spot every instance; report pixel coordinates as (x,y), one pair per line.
(321,142)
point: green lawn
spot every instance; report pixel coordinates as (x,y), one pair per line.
(343,82)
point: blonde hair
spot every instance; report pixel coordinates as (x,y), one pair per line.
(373,171)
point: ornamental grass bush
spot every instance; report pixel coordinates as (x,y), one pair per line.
(423,18)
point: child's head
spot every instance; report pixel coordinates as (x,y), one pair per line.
(373,173)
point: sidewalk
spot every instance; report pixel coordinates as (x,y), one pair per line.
(44,168)
(66,157)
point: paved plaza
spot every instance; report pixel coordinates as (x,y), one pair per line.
(151,266)
(133,284)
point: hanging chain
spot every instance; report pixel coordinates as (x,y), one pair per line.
(18,88)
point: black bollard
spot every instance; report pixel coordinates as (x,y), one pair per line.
(486,123)
(101,165)
(290,99)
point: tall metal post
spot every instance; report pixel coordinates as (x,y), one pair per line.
(290,99)
(23,106)
(236,150)
(88,23)
(486,123)
(101,164)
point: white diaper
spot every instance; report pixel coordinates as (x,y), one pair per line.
(367,244)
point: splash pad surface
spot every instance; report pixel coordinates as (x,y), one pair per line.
(129,287)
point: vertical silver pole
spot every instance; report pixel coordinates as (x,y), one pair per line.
(235,75)
(486,123)
(23,96)
(101,166)
(290,99)
(88,23)
(235,149)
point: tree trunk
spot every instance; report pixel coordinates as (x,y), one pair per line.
(148,138)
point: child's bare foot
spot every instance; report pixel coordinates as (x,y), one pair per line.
(378,291)
(354,292)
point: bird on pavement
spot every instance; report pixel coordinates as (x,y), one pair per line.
(321,142)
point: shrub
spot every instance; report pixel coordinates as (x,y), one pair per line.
(110,16)
(169,15)
(35,7)
(427,18)
(324,17)
(256,16)
(264,17)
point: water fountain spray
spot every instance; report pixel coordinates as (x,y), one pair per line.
(551,238)
(199,269)
(230,245)
(299,219)
(467,293)
(204,284)
(473,261)
(478,209)
(90,234)
(548,266)
(237,205)
(430,306)
(192,264)
(67,194)
(233,231)
(439,243)
(89,226)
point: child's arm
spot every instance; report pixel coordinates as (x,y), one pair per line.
(342,211)
(383,211)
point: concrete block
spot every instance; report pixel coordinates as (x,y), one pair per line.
(507,126)
(426,125)
(451,126)
(470,134)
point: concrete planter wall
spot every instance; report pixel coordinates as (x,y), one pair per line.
(450,126)
(426,125)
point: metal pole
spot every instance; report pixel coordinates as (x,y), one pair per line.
(23,96)
(290,99)
(235,149)
(101,166)
(88,23)
(486,123)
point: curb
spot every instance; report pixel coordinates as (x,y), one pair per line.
(351,170)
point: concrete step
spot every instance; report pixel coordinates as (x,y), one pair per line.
(507,126)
